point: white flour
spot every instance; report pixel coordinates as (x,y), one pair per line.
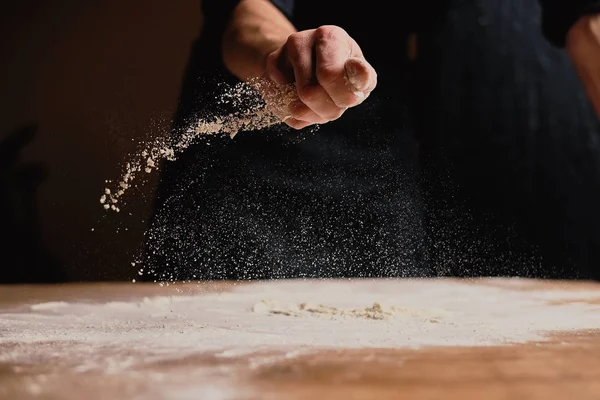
(180,347)
(417,313)
(270,110)
(375,311)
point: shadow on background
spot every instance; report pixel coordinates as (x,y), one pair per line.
(24,257)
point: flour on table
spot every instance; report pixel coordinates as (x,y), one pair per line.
(375,311)
(348,314)
(190,345)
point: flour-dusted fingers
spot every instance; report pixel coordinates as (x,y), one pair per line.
(277,67)
(360,77)
(296,123)
(341,68)
(329,71)
(298,110)
(300,52)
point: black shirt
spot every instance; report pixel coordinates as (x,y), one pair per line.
(488,93)
(558,16)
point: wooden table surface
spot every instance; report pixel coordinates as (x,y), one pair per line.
(59,342)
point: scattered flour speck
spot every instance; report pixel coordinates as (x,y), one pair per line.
(271,110)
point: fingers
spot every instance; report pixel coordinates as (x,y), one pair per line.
(329,71)
(297,124)
(341,68)
(293,60)
(296,58)
(300,57)
(360,77)
(300,111)
(314,96)
(278,67)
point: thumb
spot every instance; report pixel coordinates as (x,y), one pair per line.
(360,76)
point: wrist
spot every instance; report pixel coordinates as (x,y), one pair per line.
(245,56)
(256,29)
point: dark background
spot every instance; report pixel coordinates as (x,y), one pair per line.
(80,83)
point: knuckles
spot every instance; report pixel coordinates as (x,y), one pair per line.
(272,59)
(295,51)
(271,63)
(328,33)
(295,46)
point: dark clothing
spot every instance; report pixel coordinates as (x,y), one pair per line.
(367,25)
(341,200)
(510,146)
(558,16)
(480,158)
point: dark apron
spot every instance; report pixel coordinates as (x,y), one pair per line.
(481,158)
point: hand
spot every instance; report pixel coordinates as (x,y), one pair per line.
(329,71)
(583,47)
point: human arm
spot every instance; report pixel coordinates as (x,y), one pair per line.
(327,66)
(255,29)
(575,25)
(583,47)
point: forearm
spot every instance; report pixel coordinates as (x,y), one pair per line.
(583,47)
(256,28)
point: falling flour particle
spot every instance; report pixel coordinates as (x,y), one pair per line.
(273,109)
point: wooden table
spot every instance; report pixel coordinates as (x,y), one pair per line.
(106,341)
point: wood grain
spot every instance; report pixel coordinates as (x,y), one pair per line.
(562,367)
